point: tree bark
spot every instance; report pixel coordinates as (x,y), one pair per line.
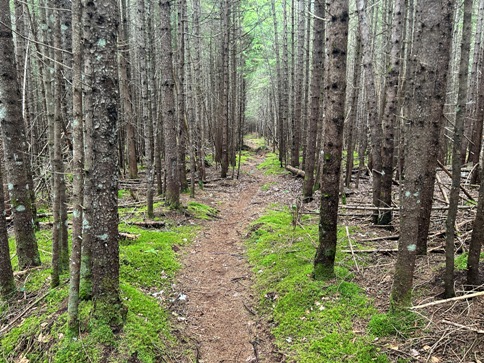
(389,117)
(102,43)
(431,52)
(335,91)
(15,147)
(314,115)
(77,169)
(169,116)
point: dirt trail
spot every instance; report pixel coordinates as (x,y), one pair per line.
(216,278)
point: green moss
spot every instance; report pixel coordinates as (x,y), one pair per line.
(123,193)
(271,165)
(256,140)
(201,211)
(149,260)
(461,261)
(313,320)
(267,186)
(402,323)
(148,265)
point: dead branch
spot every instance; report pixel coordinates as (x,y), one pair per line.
(19,316)
(390,250)
(457,298)
(444,169)
(351,248)
(478,331)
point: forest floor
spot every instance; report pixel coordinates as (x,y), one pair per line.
(219,312)
(216,303)
(228,279)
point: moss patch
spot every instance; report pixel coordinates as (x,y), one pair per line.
(271,165)
(147,267)
(314,321)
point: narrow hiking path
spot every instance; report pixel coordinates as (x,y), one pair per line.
(215,282)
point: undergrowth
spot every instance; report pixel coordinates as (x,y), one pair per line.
(314,321)
(147,267)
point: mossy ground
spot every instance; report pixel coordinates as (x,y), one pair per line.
(271,165)
(147,267)
(314,321)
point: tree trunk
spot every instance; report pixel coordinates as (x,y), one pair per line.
(104,224)
(390,111)
(77,169)
(456,151)
(169,114)
(372,102)
(335,91)
(477,240)
(15,147)
(431,52)
(314,115)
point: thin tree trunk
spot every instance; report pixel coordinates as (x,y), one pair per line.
(314,115)
(169,114)
(456,151)
(335,92)
(426,102)
(372,101)
(15,147)
(390,111)
(77,169)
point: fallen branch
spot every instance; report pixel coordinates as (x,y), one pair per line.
(391,238)
(457,298)
(444,169)
(19,316)
(351,248)
(295,171)
(390,250)
(478,331)
(24,272)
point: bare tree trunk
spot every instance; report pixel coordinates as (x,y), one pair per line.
(372,101)
(314,115)
(456,151)
(477,240)
(353,121)
(77,169)
(7,282)
(104,224)
(390,112)
(59,231)
(124,92)
(335,92)
(15,147)
(426,101)
(169,114)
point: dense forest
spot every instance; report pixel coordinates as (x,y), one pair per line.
(241,180)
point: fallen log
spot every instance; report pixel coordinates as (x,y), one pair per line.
(297,172)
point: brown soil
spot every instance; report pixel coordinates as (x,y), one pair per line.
(214,303)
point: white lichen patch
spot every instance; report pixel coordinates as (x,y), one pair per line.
(20,208)
(101,43)
(76,214)
(85,224)
(103,237)
(10,186)
(412,247)
(3,112)
(407,194)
